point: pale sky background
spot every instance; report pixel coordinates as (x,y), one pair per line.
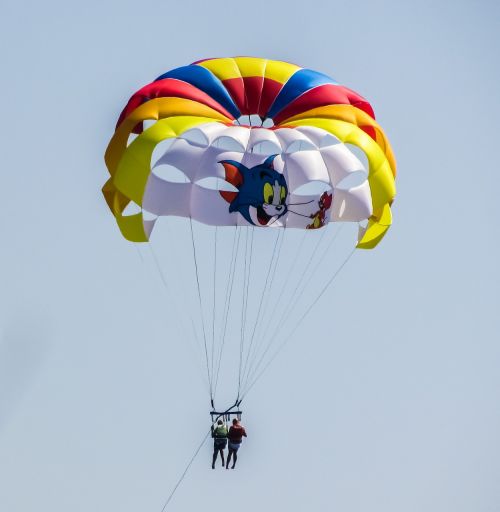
(388,397)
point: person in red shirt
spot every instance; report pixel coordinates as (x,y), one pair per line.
(235,436)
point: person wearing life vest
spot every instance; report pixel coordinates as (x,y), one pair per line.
(235,436)
(219,433)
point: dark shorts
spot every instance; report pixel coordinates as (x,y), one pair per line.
(233,447)
(220,444)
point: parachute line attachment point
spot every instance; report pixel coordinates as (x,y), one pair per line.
(226,414)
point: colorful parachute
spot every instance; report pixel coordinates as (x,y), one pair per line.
(238,144)
(309,117)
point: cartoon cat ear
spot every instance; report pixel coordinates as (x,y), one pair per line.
(233,176)
(327,200)
(269,161)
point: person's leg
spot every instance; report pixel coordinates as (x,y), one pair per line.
(214,457)
(235,458)
(221,451)
(229,458)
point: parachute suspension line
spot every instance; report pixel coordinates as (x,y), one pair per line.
(244,305)
(272,266)
(214,302)
(136,245)
(273,277)
(313,272)
(260,339)
(292,299)
(266,296)
(307,275)
(185,471)
(195,454)
(327,285)
(301,279)
(261,333)
(174,302)
(297,293)
(227,305)
(201,309)
(299,322)
(242,312)
(167,288)
(290,272)
(248,284)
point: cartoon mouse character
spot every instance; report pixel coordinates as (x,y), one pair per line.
(324,203)
(262,191)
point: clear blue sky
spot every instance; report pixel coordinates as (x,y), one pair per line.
(101,405)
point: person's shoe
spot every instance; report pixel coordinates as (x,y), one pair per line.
(223,463)
(232,467)
(213,466)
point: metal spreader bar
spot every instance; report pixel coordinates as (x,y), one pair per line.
(225,415)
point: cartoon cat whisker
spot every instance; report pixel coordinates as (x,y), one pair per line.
(295,204)
(301,214)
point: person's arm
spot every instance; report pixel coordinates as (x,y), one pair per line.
(244,432)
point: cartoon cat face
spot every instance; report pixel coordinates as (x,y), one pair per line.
(262,191)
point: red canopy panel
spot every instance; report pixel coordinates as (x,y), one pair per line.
(321,96)
(169,87)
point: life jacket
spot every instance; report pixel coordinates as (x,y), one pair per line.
(220,432)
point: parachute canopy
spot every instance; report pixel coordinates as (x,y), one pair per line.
(239,144)
(199,158)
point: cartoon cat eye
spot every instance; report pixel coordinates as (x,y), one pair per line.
(282,195)
(268,193)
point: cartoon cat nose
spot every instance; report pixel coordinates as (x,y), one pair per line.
(279,208)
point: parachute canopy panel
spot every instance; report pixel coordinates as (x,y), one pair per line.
(222,173)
